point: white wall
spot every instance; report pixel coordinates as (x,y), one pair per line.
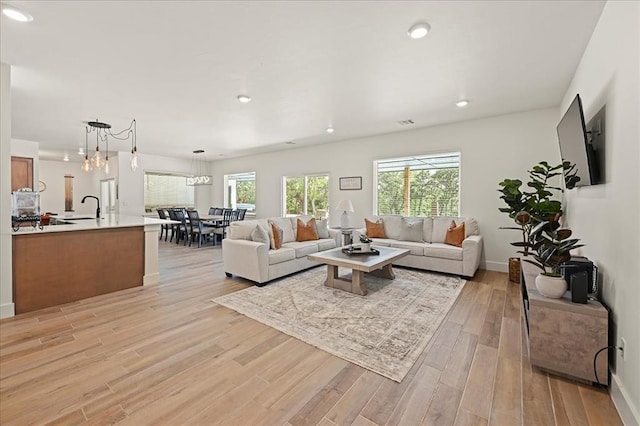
(52,199)
(6,293)
(491,150)
(131,184)
(606,217)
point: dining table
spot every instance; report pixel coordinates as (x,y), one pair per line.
(211,217)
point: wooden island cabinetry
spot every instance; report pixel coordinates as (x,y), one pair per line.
(65,263)
(562,336)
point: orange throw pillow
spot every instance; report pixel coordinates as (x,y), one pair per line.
(307,232)
(375,229)
(278,233)
(455,234)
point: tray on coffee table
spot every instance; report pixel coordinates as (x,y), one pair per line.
(356,251)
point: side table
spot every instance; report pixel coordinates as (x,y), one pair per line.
(347,235)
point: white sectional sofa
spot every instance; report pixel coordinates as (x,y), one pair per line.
(424,237)
(245,255)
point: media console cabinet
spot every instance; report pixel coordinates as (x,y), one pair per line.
(563,337)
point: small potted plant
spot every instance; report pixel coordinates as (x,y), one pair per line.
(551,245)
(365,243)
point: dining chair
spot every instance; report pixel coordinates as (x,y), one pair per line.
(220,227)
(173,227)
(234,215)
(182,229)
(197,228)
(164,228)
(241,213)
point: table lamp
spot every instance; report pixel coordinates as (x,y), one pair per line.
(345,206)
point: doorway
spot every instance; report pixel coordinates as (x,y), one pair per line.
(108,195)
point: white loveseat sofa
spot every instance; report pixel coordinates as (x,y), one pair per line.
(257,261)
(424,237)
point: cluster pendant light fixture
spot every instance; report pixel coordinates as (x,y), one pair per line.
(103,132)
(199,170)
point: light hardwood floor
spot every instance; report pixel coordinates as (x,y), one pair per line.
(165,354)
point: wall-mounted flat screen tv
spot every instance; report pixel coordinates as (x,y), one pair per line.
(576,144)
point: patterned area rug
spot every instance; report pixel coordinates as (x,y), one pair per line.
(384,331)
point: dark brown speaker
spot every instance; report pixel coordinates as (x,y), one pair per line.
(579,286)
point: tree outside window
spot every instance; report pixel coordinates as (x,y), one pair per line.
(426,185)
(306,195)
(240,191)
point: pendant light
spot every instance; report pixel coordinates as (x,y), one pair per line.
(86,165)
(103,132)
(199,170)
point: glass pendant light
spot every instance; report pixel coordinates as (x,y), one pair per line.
(97,161)
(106,157)
(86,165)
(134,159)
(134,147)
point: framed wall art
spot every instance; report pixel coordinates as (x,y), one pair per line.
(350,183)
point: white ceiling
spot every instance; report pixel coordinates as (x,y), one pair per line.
(177,68)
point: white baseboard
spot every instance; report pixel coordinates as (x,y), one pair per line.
(495,266)
(7,310)
(627,411)
(151,279)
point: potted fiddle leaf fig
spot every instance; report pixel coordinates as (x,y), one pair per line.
(552,246)
(528,208)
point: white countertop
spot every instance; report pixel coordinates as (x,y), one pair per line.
(88,222)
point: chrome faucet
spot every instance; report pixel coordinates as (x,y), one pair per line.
(97,199)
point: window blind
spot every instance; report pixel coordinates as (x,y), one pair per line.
(163,190)
(425,185)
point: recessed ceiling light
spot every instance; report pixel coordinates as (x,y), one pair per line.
(329,129)
(244,98)
(419,30)
(16,14)
(462,103)
(66,157)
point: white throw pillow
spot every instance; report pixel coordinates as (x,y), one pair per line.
(322,227)
(440,226)
(260,235)
(411,229)
(287,228)
(392,226)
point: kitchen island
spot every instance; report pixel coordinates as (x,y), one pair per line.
(83,257)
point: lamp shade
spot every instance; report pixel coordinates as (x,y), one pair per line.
(345,205)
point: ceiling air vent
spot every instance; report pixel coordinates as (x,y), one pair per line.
(405,122)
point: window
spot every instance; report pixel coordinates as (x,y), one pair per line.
(240,191)
(306,195)
(163,190)
(426,185)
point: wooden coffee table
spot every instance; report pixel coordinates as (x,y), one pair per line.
(379,265)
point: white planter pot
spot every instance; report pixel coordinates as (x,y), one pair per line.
(365,247)
(553,287)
